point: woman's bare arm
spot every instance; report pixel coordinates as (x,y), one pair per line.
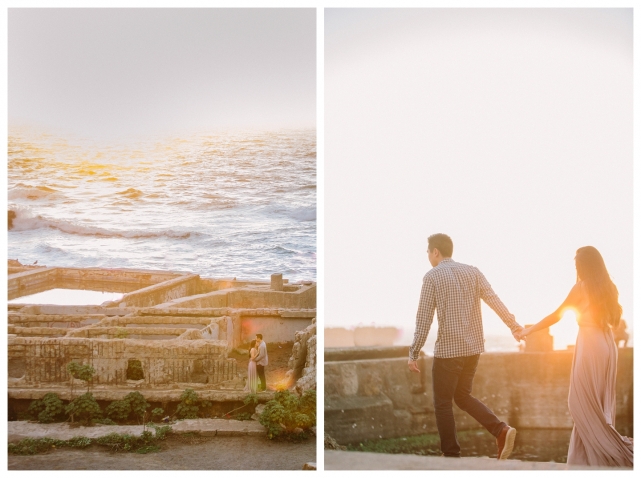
(570,301)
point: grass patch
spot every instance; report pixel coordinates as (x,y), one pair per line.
(145,443)
(428,444)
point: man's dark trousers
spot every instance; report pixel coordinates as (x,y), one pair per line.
(452,379)
(260,370)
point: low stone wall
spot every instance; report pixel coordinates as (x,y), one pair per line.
(381,398)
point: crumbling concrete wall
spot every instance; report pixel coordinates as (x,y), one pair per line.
(304,298)
(44,361)
(251,297)
(40,279)
(31,282)
(172,344)
(275,327)
(381,398)
(160,293)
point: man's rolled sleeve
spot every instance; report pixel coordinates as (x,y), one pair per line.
(424,317)
(489,296)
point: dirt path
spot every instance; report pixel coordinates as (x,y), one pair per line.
(181,453)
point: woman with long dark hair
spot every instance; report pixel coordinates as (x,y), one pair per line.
(252,376)
(592,397)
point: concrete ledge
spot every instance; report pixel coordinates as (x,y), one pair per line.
(352,460)
(365,353)
(62,431)
(152,395)
(52,309)
(219,427)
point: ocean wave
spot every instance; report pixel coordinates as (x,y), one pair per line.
(26,221)
(304,213)
(283,250)
(22,191)
(131,193)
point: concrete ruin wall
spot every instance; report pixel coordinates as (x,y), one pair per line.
(275,325)
(160,293)
(37,361)
(176,346)
(377,397)
(34,280)
(300,297)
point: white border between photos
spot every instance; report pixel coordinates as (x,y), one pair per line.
(320,5)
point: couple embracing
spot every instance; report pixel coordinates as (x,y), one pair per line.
(455,290)
(256,367)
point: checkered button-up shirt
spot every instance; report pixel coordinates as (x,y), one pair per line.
(455,290)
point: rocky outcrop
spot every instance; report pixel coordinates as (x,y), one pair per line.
(302,364)
(331,444)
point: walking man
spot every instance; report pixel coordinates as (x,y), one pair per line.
(455,291)
(261,361)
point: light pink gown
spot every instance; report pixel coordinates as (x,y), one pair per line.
(592,398)
(252,377)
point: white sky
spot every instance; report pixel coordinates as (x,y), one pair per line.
(509,130)
(122,72)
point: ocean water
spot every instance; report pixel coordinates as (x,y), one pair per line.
(239,204)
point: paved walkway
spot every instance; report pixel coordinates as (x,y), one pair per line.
(193,453)
(206,426)
(352,460)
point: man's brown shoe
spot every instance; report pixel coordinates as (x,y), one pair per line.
(505,442)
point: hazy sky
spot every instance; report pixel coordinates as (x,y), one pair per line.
(509,130)
(113,72)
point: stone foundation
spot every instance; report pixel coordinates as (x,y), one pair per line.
(177,328)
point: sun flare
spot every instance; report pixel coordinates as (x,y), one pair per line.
(566,330)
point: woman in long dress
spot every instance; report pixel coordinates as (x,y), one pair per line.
(592,397)
(252,377)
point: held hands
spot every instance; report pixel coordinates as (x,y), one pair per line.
(518,334)
(521,333)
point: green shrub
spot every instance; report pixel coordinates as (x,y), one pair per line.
(138,404)
(157,414)
(251,399)
(47,410)
(133,404)
(118,410)
(287,411)
(191,406)
(84,408)
(81,372)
